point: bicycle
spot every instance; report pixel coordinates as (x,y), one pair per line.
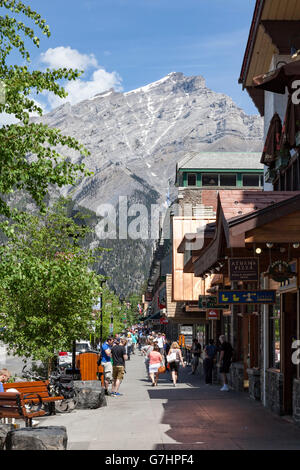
(62,385)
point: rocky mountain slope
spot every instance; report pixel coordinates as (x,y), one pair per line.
(136,139)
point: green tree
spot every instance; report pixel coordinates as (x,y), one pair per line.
(18,84)
(133,314)
(47,289)
(111,314)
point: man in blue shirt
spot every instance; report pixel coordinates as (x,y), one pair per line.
(106,363)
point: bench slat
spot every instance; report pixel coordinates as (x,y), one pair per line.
(38,387)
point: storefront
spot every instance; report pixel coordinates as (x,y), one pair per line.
(258,255)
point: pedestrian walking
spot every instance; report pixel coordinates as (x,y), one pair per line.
(160,343)
(146,351)
(210,352)
(225,361)
(119,357)
(134,342)
(107,363)
(129,345)
(196,352)
(155,361)
(188,355)
(174,359)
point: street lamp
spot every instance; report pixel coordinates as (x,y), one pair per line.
(101,311)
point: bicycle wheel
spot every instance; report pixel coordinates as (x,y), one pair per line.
(62,406)
(75,398)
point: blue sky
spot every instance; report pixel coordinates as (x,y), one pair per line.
(130,43)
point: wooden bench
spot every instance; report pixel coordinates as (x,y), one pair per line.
(39,389)
(12,405)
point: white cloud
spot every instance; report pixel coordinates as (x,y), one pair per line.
(99,81)
(61,57)
(80,90)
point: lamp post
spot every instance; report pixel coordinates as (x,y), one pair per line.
(101,311)
(122,300)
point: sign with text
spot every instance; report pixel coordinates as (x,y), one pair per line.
(247,297)
(208,301)
(243,269)
(212,314)
(186,330)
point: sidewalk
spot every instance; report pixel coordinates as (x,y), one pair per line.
(190,416)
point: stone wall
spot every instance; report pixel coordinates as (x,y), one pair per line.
(254,384)
(296,401)
(274,391)
(236,376)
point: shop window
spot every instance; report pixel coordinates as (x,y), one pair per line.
(274,334)
(251,180)
(227,180)
(192,179)
(210,180)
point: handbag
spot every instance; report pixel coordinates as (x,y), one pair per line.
(161,370)
(171,357)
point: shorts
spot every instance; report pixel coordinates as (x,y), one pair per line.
(225,366)
(107,371)
(153,368)
(118,372)
(174,366)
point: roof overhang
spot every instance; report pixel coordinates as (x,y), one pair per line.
(234,233)
(274,30)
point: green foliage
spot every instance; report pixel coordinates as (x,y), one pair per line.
(46,164)
(111,310)
(47,289)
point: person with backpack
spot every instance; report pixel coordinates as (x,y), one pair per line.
(225,361)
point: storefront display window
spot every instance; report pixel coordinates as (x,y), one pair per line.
(274,334)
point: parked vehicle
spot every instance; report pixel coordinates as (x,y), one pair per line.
(65,357)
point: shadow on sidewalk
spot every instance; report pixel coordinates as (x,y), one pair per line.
(202,417)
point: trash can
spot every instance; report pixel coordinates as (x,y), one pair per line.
(87,364)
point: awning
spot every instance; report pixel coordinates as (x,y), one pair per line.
(277,80)
(291,125)
(272,144)
(154,316)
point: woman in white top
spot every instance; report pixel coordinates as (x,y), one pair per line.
(174,365)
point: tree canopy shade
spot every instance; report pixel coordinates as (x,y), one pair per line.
(47,289)
(18,84)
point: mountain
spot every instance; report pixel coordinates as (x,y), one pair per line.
(136,139)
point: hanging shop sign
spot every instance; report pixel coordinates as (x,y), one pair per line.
(243,269)
(163,321)
(212,314)
(247,297)
(281,271)
(209,301)
(186,330)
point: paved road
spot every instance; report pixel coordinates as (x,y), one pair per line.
(190,416)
